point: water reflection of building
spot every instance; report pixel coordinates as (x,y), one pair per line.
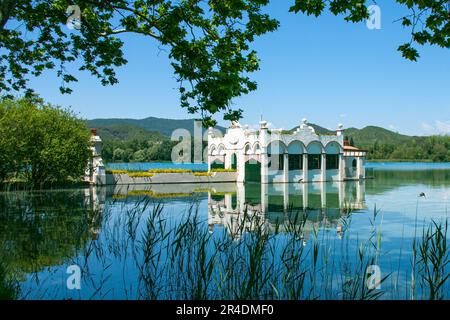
(95,202)
(274,205)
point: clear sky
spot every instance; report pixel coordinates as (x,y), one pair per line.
(324,69)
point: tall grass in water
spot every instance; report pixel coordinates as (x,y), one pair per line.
(432,265)
(257,261)
(293,258)
(9,288)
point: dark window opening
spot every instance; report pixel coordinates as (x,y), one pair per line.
(314,162)
(233,162)
(295,162)
(332,161)
(217,165)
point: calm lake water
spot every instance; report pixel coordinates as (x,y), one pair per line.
(190,241)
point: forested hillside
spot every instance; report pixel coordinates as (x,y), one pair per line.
(130,140)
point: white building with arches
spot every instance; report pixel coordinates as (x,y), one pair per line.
(274,156)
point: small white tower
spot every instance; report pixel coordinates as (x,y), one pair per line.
(95,171)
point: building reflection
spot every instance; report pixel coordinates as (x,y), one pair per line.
(95,199)
(275,206)
(244,207)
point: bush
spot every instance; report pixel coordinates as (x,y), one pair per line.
(223,170)
(169,171)
(41,143)
(140,174)
(202,174)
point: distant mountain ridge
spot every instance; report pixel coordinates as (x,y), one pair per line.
(151,126)
(127,140)
(161,125)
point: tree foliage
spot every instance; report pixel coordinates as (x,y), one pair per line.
(428,20)
(434,148)
(42,143)
(208,43)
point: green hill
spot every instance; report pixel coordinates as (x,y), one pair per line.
(149,140)
(127,143)
(383,144)
(371,134)
(128,132)
(163,126)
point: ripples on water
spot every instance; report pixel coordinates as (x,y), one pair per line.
(221,241)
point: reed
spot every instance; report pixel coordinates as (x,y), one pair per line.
(9,288)
(433,253)
(294,257)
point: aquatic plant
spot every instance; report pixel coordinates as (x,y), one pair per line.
(433,253)
(223,170)
(140,174)
(202,174)
(169,171)
(295,255)
(9,288)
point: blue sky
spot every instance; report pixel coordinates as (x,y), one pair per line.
(324,69)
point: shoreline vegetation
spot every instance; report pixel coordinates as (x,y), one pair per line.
(21,184)
(41,144)
(52,152)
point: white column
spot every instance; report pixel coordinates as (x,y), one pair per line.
(286,168)
(324,167)
(240,197)
(323,194)
(227,162)
(228,202)
(305,195)
(341,167)
(285,196)
(240,166)
(360,168)
(264,168)
(305,168)
(360,192)
(264,141)
(341,194)
(265,197)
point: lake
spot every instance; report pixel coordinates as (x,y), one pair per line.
(228,241)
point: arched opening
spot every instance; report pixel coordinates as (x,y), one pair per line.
(253,171)
(233,161)
(247,149)
(275,153)
(354,164)
(314,156)
(295,156)
(333,150)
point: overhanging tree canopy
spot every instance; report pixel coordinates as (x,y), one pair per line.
(428,20)
(209,42)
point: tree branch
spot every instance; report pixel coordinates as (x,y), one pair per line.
(6,8)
